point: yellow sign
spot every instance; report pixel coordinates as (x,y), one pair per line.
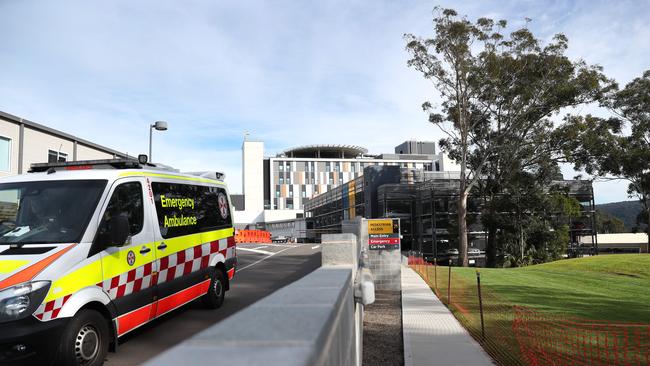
(380,226)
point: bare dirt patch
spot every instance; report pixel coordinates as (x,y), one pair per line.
(382,330)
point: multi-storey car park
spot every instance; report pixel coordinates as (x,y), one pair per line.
(425,203)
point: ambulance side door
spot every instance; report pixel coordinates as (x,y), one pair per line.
(129,268)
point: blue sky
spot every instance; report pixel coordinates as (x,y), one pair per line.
(289,72)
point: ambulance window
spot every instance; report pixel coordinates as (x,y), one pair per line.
(125,201)
(214,209)
(177,209)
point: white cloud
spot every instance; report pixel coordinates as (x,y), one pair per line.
(289,72)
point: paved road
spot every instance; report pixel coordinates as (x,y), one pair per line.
(263,268)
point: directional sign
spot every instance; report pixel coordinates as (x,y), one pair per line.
(383,234)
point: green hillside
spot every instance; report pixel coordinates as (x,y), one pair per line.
(606,287)
(626,211)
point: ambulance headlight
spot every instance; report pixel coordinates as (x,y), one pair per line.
(22,300)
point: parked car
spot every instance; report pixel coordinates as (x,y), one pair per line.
(279,239)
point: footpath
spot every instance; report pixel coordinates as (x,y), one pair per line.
(432,335)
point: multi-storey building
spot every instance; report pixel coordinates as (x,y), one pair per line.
(275,188)
(23,142)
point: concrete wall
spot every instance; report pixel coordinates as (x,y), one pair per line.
(385,265)
(88,153)
(37,145)
(313,321)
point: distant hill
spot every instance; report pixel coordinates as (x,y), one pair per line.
(625,210)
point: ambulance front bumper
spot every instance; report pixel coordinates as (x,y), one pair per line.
(30,342)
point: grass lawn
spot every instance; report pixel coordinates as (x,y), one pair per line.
(604,287)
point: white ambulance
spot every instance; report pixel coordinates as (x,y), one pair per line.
(91,250)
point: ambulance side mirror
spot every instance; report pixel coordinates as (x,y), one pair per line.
(119,230)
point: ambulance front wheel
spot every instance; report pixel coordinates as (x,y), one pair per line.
(85,340)
(215,296)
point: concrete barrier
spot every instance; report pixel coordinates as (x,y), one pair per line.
(313,321)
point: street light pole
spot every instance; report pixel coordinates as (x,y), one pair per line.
(159,126)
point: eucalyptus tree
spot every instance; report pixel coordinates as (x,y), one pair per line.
(496,90)
(617,147)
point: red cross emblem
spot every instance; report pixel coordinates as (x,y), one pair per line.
(223,205)
(130,258)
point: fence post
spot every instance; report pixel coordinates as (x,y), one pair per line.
(449,286)
(480,302)
(426,268)
(435,275)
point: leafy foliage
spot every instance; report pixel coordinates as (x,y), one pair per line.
(617,147)
(497,92)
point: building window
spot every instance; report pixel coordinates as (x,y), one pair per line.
(328,167)
(338,167)
(281,179)
(288,167)
(5,154)
(56,157)
(289,203)
(281,166)
(291,190)
(304,191)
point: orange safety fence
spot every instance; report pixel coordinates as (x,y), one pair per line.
(548,340)
(252,236)
(517,335)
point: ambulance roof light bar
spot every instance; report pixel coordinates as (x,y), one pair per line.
(220,176)
(129,163)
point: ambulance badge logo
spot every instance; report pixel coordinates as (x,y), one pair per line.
(223,205)
(130,258)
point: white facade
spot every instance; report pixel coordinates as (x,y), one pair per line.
(23,143)
(276,188)
(253,175)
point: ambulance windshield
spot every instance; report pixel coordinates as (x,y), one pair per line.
(48,211)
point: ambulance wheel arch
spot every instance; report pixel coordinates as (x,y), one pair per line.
(82,298)
(220,266)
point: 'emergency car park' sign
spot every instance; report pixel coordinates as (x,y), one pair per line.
(383,234)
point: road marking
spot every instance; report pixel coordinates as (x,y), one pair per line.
(315,247)
(263,259)
(255,250)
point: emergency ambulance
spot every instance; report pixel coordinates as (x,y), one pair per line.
(91,250)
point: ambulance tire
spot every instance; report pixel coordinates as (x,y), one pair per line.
(85,340)
(215,296)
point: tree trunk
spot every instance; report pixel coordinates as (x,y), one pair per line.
(647,225)
(462,227)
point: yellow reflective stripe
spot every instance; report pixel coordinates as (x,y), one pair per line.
(88,275)
(217,234)
(170,176)
(117,263)
(10,265)
(188,241)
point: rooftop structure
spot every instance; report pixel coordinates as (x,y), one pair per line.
(324,151)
